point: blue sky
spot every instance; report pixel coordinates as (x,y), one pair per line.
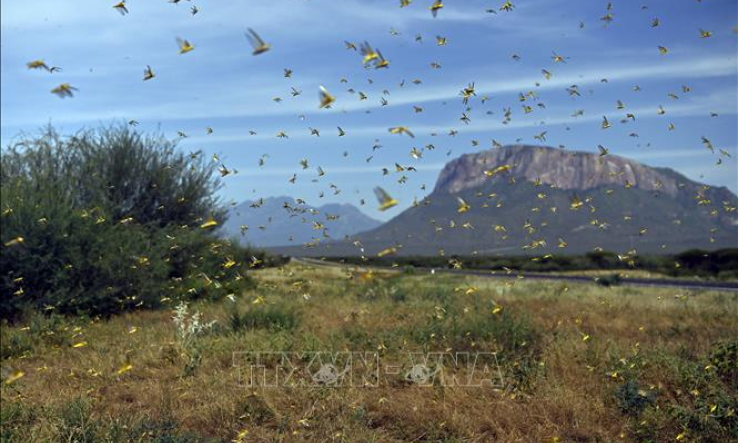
(221,85)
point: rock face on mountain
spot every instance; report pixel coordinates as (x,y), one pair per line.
(539,200)
(555,167)
(280,221)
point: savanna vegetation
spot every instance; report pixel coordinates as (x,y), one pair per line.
(110,220)
(720,264)
(124,316)
(580,363)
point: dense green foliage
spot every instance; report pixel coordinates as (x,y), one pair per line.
(722,263)
(107,221)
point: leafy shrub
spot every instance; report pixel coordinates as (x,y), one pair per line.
(108,221)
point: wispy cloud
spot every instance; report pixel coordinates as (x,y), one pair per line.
(706,67)
(227,101)
(721,102)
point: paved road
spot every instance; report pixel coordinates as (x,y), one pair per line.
(656,282)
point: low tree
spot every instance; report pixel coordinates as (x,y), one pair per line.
(109,220)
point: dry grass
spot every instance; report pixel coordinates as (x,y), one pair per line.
(568,353)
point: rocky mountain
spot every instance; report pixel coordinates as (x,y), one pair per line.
(281,221)
(566,170)
(539,200)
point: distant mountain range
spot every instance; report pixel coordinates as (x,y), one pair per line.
(539,200)
(279,221)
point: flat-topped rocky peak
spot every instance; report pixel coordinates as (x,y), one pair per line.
(562,168)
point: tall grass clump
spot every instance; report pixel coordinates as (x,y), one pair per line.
(273,317)
(109,220)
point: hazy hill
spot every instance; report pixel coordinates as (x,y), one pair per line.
(547,198)
(280,221)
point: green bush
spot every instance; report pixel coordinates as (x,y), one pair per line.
(106,221)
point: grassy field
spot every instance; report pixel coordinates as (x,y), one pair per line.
(579,363)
